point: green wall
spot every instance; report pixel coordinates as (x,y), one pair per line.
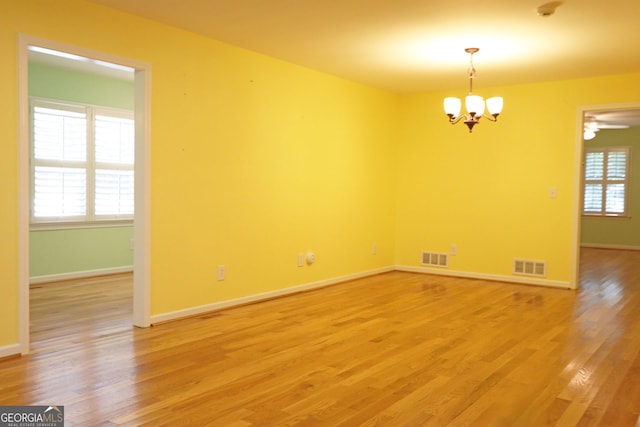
(617,232)
(79,249)
(68,85)
(65,251)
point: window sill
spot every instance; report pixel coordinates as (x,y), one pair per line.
(606,216)
(44,226)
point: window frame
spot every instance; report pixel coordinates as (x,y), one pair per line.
(90,219)
(605,181)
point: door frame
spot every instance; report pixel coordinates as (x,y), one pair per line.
(142,171)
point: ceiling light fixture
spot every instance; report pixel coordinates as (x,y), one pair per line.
(473,103)
(591,126)
(590,129)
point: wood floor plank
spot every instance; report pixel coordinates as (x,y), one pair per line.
(397,349)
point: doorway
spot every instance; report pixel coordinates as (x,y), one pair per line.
(604,128)
(141,73)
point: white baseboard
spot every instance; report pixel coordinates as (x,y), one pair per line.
(193,311)
(80,274)
(10,350)
(601,246)
(492,277)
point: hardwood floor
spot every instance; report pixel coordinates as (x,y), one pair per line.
(397,349)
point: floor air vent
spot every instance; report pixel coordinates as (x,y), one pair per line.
(435,259)
(529,268)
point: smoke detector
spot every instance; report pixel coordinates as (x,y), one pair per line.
(548,9)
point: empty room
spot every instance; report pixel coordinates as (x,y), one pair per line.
(300,213)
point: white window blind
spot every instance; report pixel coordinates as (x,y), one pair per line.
(82,163)
(114,154)
(606,175)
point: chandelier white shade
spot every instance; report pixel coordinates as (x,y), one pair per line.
(452,106)
(474,104)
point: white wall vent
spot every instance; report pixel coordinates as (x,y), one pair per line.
(435,259)
(529,268)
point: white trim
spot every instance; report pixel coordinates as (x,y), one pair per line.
(23,192)
(80,274)
(482,276)
(142,207)
(576,225)
(55,226)
(142,217)
(604,246)
(10,350)
(193,311)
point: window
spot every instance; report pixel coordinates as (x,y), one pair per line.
(606,181)
(82,161)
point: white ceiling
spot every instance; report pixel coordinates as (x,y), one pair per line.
(409,46)
(418,45)
(614,119)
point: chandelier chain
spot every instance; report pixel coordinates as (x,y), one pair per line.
(472,73)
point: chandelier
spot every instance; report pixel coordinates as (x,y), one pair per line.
(474,104)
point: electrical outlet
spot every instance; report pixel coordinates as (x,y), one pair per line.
(131,244)
(221,273)
(300,260)
(453,250)
(374,249)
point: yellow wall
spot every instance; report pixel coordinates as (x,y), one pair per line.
(8,187)
(255,160)
(488,192)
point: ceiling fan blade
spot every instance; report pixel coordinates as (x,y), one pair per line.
(609,126)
